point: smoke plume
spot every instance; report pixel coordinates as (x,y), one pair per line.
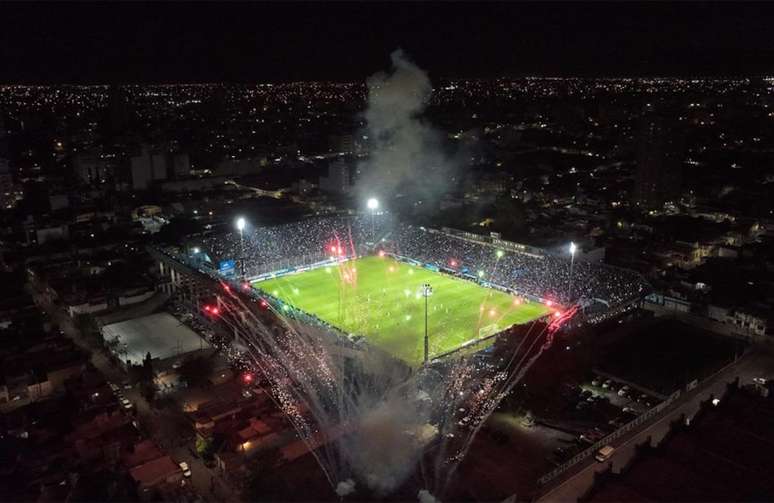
(407,155)
(424,496)
(345,487)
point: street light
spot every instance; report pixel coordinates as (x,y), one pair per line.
(427,291)
(240,225)
(373,205)
(573,249)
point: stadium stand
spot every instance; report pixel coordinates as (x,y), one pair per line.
(531,273)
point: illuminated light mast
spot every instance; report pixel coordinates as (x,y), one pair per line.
(573,249)
(373,205)
(240,225)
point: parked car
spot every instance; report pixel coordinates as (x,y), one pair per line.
(595,382)
(604,453)
(186,469)
(606,384)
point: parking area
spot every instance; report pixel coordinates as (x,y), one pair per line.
(666,354)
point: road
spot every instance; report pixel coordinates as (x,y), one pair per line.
(757,364)
(160,425)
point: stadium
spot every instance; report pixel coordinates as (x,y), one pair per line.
(387,346)
(415,293)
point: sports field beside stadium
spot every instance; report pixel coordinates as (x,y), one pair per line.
(380,298)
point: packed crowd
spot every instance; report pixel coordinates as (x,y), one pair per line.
(267,249)
(544,276)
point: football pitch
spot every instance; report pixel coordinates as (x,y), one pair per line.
(380,299)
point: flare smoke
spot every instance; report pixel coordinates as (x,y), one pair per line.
(406,153)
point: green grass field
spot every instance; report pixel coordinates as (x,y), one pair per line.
(380,299)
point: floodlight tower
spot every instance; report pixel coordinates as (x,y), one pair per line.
(573,249)
(427,290)
(240,225)
(373,205)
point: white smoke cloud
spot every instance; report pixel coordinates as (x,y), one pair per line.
(406,153)
(390,437)
(424,496)
(345,487)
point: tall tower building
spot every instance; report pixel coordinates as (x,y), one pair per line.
(339,179)
(660,151)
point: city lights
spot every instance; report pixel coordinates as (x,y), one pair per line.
(387,194)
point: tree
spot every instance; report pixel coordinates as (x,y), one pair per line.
(148,390)
(87,326)
(205,447)
(147,366)
(115,346)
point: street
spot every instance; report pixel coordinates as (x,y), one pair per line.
(160,425)
(758,363)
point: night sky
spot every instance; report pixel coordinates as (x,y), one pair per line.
(177,42)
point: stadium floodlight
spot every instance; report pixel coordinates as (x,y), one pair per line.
(240,225)
(427,291)
(195,250)
(373,205)
(500,254)
(573,249)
